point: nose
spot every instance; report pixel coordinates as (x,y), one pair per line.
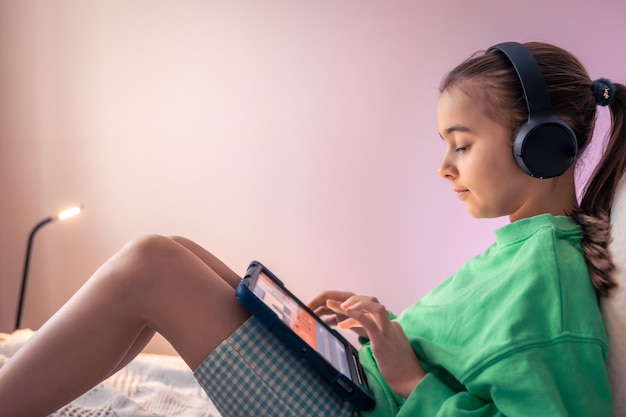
(447,169)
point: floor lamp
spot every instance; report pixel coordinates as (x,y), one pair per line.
(66,214)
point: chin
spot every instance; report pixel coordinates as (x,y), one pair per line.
(478,214)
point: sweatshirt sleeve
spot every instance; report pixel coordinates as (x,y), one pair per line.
(562,378)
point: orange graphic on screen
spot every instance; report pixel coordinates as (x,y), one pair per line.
(288,310)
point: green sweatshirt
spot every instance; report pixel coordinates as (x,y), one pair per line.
(515,332)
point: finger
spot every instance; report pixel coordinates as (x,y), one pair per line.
(331,307)
(354,326)
(349,323)
(320,299)
(331,320)
(335,306)
(323,311)
(357,300)
(371,306)
(366,321)
(358,325)
(317,301)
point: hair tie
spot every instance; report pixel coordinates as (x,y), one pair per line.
(604,91)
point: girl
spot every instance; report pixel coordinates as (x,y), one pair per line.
(516,331)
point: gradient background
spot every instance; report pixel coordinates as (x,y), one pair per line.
(298,133)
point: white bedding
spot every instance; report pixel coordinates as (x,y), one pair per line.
(150,386)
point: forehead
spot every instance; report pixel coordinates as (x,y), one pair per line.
(460,105)
(466,111)
(481,96)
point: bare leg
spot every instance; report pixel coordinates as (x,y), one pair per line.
(212,262)
(152,284)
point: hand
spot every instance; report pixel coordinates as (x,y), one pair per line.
(326,306)
(391,348)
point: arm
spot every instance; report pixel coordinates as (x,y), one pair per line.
(560,378)
(395,358)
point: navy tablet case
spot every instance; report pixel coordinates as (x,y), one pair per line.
(334,357)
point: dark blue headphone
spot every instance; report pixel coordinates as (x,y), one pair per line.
(544,146)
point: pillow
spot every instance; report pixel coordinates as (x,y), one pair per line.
(614,306)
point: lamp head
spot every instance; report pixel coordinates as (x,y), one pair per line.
(70,212)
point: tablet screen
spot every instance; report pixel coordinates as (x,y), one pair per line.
(303,323)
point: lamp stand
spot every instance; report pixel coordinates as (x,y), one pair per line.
(31,237)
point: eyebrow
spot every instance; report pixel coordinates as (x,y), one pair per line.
(455,128)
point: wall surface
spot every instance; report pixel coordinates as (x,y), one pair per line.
(299,133)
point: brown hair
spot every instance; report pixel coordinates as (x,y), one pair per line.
(572,98)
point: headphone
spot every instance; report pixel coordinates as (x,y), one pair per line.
(544,146)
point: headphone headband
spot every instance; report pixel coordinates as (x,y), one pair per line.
(529,74)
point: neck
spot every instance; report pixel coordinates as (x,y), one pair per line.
(556,196)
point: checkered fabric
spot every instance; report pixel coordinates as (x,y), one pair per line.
(253,374)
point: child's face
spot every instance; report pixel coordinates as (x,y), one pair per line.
(478,161)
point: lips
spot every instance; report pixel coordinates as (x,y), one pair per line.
(461,192)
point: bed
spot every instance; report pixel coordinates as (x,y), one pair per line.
(162,385)
(152,385)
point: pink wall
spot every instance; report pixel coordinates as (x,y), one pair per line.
(298,133)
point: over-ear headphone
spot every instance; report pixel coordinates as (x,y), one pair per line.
(544,146)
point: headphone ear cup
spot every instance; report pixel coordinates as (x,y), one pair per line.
(545,147)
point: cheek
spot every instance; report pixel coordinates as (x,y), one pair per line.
(501,162)
(485,172)
(496,177)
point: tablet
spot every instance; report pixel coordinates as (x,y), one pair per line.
(329,353)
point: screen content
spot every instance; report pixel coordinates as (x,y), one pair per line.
(302,323)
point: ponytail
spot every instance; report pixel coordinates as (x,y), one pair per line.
(595,206)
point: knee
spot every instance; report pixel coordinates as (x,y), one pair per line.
(148,247)
(145,259)
(146,271)
(179,239)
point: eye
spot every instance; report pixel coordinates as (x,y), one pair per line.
(462,149)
